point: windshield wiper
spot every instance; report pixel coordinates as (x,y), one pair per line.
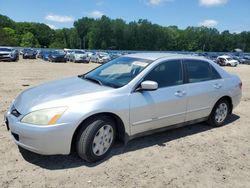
(93,80)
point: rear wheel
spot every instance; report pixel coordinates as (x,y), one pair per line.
(96,138)
(219,113)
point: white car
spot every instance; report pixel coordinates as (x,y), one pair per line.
(127,97)
(100,57)
(79,56)
(226,61)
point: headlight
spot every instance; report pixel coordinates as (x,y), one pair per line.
(44,117)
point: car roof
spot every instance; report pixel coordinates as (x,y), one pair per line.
(155,56)
(3,47)
(224,56)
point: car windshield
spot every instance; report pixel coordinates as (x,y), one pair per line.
(229,59)
(79,52)
(117,72)
(58,52)
(5,49)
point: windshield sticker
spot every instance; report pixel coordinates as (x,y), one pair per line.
(139,63)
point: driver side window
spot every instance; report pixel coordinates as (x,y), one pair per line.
(167,74)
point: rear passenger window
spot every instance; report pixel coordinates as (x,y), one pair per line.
(167,74)
(198,71)
(215,74)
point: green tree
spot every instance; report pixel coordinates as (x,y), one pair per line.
(83,26)
(6,22)
(29,40)
(8,37)
(105,33)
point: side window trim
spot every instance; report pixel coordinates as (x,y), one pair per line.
(185,73)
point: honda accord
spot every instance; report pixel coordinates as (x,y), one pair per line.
(130,96)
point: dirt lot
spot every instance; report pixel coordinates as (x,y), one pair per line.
(193,156)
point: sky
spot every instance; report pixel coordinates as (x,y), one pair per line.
(232,15)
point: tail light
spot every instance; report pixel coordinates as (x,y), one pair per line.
(240,85)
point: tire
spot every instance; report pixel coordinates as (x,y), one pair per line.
(219,113)
(90,142)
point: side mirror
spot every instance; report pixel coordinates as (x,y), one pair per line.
(149,85)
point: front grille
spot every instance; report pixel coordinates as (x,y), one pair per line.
(14,112)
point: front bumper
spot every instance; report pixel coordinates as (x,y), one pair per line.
(45,140)
(81,61)
(6,58)
(29,56)
(58,59)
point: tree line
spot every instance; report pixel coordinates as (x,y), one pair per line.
(115,34)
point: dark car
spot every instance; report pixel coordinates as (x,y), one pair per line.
(45,55)
(8,54)
(57,56)
(29,54)
(245,60)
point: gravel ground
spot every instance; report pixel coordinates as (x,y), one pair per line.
(192,156)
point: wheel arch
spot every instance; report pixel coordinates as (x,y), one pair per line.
(121,135)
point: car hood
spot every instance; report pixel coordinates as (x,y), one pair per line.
(57,93)
(80,55)
(5,52)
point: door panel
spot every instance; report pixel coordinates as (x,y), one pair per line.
(166,106)
(201,97)
(156,109)
(204,85)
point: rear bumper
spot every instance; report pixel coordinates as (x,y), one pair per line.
(45,140)
(236,100)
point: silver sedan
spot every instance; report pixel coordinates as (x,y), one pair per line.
(133,95)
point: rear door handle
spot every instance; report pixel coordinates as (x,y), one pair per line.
(217,86)
(180,93)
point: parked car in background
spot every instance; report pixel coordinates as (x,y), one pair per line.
(57,56)
(226,60)
(39,54)
(67,53)
(45,55)
(245,60)
(8,54)
(130,96)
(79,56)
(100,57)
(114,56)
(29,54)
(90,54)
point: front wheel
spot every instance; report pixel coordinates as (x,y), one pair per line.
(219,113)
(95,139)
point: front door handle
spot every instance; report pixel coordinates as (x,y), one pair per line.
(180,93)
